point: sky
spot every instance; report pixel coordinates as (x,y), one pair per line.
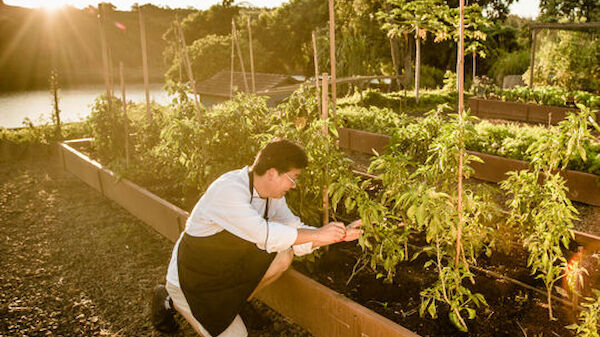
(526,8)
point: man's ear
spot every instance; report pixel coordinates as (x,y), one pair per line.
(272,173)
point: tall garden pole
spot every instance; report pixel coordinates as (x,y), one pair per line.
(232,61)
(324,116)
(461,105)
(532,61)
(125,121)
(189,67)
(145,63)
(104,50)
(332,59)
(417,64)
(239,50)
(474,64)
(251,56)
(316,61)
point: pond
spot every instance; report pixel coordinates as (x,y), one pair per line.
(74,103)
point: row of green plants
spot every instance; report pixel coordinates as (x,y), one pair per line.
(505,140)
(545,95)
(418,195)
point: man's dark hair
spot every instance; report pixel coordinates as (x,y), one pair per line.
(280,154)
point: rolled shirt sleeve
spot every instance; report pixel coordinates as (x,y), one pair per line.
(228,205)
(285,216)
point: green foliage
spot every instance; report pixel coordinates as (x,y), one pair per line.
(568,59)
(42,134)
(589,319)
(543,212)
(510,63)
(108,129)
(550,95)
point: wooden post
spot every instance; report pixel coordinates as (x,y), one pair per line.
(125,121)
(145,64)
(461,104)
(104,50)
(324,116)
(232,61)
(316,61)
(239,50)
(332,59)
(251,56)
(474,65)
(417,65)
(532,61)
(189,68)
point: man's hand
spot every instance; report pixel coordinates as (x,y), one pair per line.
(330,233)
(353,230)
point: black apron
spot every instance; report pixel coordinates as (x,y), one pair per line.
(217,273)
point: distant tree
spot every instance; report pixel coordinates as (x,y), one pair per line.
(496,10)
(572,10)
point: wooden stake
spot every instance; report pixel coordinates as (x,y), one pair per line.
(394,50)
(474,65)
(417,65)
(532,61)
(461,104)
(324,116)
(239,50)
(189,68)
(332,59)
(145,63)
(251,56)
(104,49)
(316,61)
(232,61)
(125,120)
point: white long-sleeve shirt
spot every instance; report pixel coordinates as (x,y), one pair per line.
(226,206)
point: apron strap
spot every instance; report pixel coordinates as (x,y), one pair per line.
(266,213)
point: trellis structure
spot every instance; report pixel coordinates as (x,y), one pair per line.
(535,27)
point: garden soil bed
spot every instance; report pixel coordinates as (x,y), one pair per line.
(512,311)
(76,264)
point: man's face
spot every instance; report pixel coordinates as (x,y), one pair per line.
(283,182)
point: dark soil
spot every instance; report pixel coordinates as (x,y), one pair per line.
(73,263)
(512,311)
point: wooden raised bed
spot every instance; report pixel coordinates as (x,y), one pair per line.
(582,186)
(320,310)
(525,112)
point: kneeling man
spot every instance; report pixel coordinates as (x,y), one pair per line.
(240,237)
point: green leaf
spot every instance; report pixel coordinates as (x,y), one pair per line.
(456,322)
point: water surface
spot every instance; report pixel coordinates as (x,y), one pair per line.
(75,104)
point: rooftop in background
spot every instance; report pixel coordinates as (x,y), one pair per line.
(219,84)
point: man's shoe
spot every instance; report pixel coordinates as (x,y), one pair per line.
(162,311)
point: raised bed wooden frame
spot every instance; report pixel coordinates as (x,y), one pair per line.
(525,112)
(320,310)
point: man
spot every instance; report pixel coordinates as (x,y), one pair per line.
(240,237)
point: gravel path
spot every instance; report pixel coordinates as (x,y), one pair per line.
(73,263)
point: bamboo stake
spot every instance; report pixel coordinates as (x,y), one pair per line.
(232,61)
(125,121)
(251,56)
(332,59)
(316,61)
(474,65)
(532,61)
(104,49)
(178,51)
(324,116)
(417,65)
(239,50)
(461,103)
(189,68)
(145,63)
